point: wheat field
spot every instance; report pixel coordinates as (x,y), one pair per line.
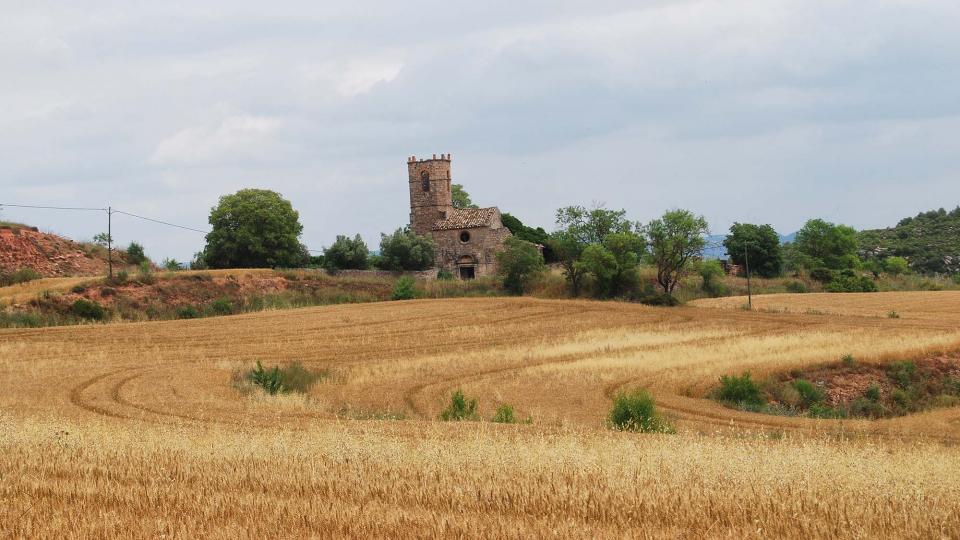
(137,429)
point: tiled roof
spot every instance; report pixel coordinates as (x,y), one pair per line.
(466,218)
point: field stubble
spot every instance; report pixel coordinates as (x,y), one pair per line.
(135,429)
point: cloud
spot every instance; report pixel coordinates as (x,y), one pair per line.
(237,137)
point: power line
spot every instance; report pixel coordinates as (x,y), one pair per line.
(53,207)
(160,222)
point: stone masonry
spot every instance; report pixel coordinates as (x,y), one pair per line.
(467,239)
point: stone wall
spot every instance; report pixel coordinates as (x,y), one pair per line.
(482,247)
(426,207)
(422,274)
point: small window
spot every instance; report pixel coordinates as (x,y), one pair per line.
(464,237)
(425,181)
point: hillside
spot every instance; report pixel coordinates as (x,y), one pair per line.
(50,255)
(930,241)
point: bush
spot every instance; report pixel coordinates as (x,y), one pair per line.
(504,415)
(135,254)
(22,275)
(662,299)
(822,274)
(847,360)
(809,394)
(444,275)
(145,273)
(188,312)
(405,289)
(711,272)
(740,391)
(86,309)
(405,250)
(170,265)
(893,315)
(902,373)
(851,283)
(292,378)
(797,287)
(220,306)
(518,265)
(872,393)
(636,411)
(346,254)
(956,279)
(460,408)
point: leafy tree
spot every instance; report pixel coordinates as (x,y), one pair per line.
(170,264)
(614,263)
(530,234)
(346,254)
(102,239)
(461,199)
(711,272)
(135,254)
(676,240)
(254,228)
(896,266)
(828,245)
(567,250)
(518,264)
(405,250)
(591,226)
(760,243)
(579,227)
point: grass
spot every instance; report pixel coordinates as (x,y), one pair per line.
(97,416)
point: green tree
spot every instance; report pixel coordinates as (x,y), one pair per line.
(346,254)
(711,271)
(896,266)
(614,263)
(760,243)
(135,254)
(461,199)
(519,264)
(405,250)
(676,240)
(591,226)
(828,245)
(102,239)
(254,228)
(530,234)
(567,250)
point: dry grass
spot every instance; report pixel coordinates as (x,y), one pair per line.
(135,430)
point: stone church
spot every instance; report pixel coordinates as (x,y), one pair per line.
(467,239)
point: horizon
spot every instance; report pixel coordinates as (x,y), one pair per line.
(773,112)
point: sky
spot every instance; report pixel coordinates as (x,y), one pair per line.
(766,111)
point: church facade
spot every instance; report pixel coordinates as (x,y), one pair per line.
(467,239)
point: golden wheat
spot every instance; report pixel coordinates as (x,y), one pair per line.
(137,430)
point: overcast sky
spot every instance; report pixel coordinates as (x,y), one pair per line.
(762,111)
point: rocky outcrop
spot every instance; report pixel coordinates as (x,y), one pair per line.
(50,255)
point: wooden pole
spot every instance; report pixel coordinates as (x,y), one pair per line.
(110,240)
(746,260)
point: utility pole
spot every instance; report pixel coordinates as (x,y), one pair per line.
(110,240)
(746,260)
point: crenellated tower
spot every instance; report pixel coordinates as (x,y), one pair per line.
(431,199)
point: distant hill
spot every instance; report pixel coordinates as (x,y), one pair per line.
(715,249)
(22,246)
(930,241)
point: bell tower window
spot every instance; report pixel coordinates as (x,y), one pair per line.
(425,181)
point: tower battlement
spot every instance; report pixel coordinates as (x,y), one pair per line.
(443,157)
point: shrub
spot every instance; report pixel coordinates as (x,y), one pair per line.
(221,306)
(444,274)
(145,274)
(346,253)
(809,394)
(292,378)
(822,274)
(796,287)
(518,265)
(819,410)
(956,278)
(504,415)
(711,272)
(740,391)
(636,411)
(170,265)
(847,360)
(460,408)
(662,299)
(268,379)
(78,289)
(893,315)
(902,373)
(135,254)
(405,289)
(22,275)
(851,283)
(405,250)
(865,406)
(872,393)
(86,309)
(188,312)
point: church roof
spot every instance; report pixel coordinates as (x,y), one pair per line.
(467,218)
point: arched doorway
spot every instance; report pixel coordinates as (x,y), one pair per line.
(467,267)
